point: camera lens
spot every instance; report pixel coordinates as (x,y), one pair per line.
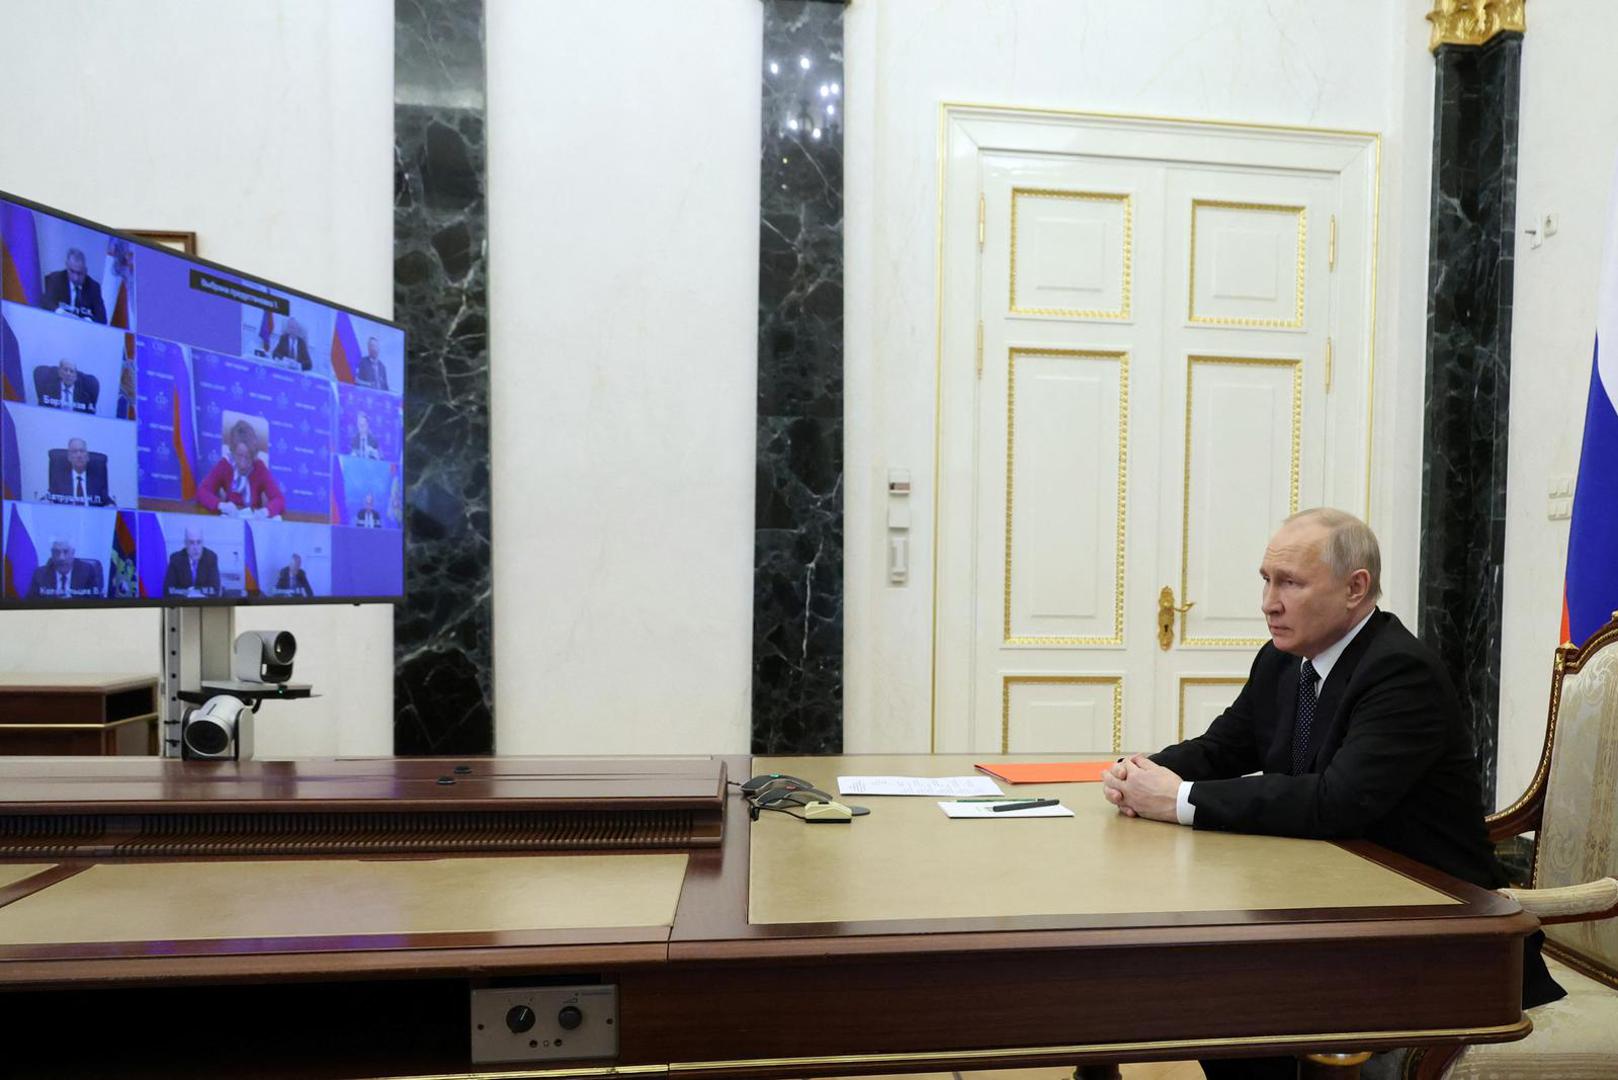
(207,737)
(283,647)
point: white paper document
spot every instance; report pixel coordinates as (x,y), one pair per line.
(987,810)
(955,786)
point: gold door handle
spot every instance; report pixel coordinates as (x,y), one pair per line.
(1165,617)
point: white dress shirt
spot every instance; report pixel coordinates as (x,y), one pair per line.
(1323,662)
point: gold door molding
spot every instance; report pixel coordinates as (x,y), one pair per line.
(1125,269)
(1117,637)
(1301,214)
(1115,681)
(1201,680)
(1185,498)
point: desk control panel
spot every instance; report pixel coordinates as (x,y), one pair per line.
(544,1023)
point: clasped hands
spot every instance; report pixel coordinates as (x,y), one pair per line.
(1139,787)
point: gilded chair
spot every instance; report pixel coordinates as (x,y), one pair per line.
(1572,806)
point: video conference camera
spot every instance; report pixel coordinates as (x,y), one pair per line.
(221,730)
(264,656)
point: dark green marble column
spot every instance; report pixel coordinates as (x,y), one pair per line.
(444,631)
(798,515)
(1469,296)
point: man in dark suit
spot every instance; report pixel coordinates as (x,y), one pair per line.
(292,581)
(364,444)
(368,518)
(371,372)
(291,346)
(73,291)
(1352,724)
(193,570)
(74,481)
(65,577)
(65,388)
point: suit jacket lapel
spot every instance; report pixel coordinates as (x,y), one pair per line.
(1279,759)
(1331,692)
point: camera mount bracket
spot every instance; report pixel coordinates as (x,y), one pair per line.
(196,648)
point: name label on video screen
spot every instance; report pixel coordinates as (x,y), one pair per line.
(203,281)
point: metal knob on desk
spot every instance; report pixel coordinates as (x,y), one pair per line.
(519,1018)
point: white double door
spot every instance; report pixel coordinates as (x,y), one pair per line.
(1161,383)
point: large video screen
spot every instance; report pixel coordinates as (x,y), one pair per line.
(176,432)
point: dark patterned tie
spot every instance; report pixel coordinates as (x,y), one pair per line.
(1306,719)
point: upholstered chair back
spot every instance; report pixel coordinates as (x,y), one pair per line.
(1578,835)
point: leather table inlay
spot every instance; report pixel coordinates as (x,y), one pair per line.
(320,898)
(1096,862)
(11,873)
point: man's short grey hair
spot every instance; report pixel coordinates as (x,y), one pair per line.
(1350,544)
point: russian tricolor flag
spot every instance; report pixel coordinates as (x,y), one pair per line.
(20,280)
(1591,591)
(345,349)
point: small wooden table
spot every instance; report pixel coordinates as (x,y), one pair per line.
(82,715)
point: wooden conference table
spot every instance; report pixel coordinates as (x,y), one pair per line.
(335,918)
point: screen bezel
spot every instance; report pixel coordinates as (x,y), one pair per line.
(109,602)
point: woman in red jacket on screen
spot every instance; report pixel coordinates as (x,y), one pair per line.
(241,485)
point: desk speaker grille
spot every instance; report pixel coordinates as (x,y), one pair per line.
(324,833)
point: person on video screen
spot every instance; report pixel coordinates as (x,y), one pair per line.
(292,581)
(193,570)
(371,372)
(63,389)
(65,577)
(72,480)
(126,392)
(368,518)
(292,347)
(364,444)
(72,291)
(241,485)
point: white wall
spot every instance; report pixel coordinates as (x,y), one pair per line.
(623,183)
(1360,66)
(623,191)
(166,116)
(1569,132)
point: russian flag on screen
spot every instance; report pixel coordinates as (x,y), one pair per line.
(19,256)
(125,577)
(345,349)
(250,570)
(20,559)
(10,467)
(10,364)
(117,280)
(153,555)
(1591,592)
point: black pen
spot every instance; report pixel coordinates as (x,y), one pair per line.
(1032,804)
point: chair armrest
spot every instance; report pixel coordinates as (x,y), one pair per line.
(1571,903)
(1521,817)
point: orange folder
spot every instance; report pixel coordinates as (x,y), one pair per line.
(1048,772)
